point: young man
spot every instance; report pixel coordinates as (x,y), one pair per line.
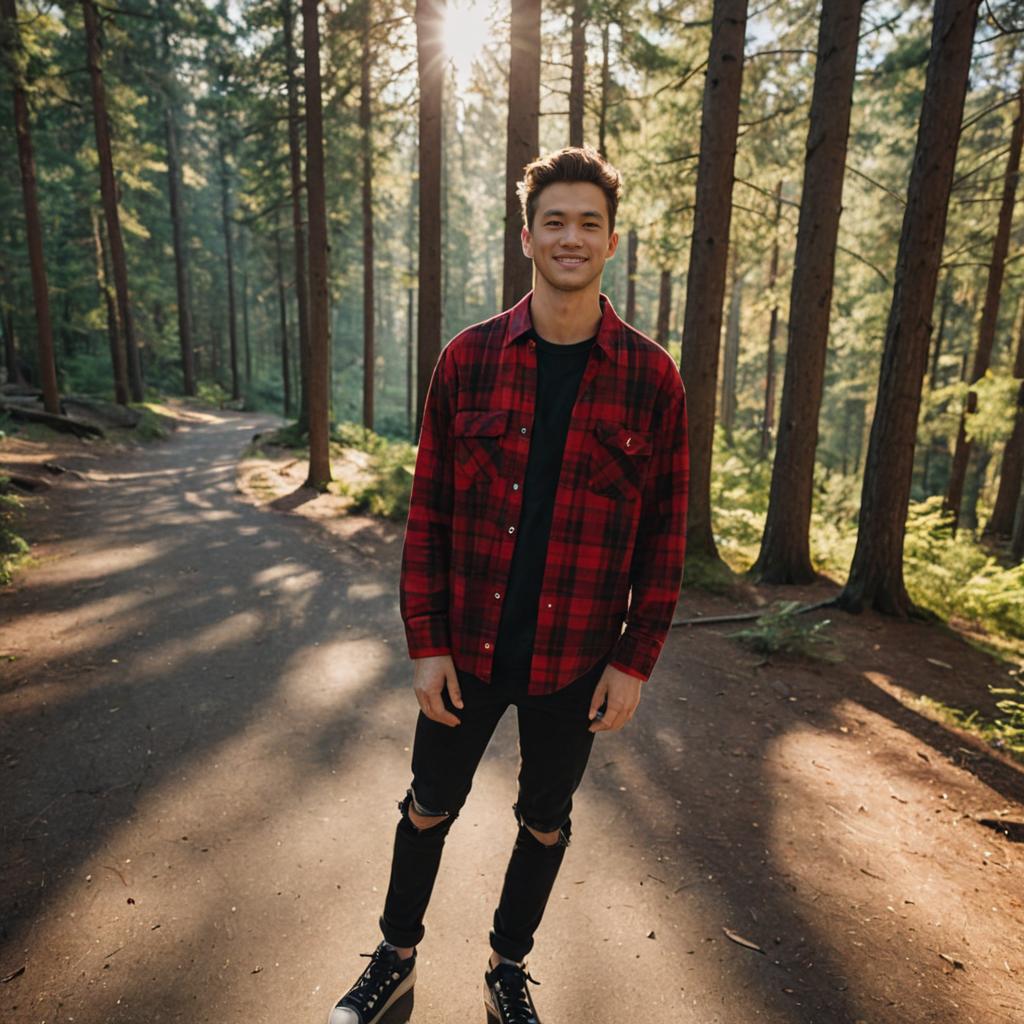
(548,506)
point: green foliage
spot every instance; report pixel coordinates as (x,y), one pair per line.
(1005,732)
(12,546)
(955,577)
(391,469)
(781,630)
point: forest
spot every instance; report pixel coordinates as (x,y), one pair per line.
(235,239)
(293,207)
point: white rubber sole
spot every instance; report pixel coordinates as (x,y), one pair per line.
(405,986)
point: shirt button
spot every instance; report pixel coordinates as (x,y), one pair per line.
(511,529)
(522,430)
(487,647)
(497,596)
(549,604)
(515,487)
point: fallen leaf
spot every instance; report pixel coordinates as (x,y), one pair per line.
(742,941)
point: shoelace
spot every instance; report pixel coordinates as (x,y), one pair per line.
(367,990)
(514,997)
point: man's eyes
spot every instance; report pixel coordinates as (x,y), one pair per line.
(558,224)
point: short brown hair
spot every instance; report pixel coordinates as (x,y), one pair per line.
(574,163)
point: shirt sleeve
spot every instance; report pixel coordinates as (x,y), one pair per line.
(426,550)
(656,571)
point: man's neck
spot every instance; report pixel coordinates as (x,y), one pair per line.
(564,318)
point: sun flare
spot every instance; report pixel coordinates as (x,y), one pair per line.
(467,29)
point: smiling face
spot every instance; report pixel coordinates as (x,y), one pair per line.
(570,239)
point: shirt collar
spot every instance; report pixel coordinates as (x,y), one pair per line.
(609,331)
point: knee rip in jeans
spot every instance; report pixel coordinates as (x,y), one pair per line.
(527,829)
(409,801)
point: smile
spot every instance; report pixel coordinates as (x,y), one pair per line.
(573,260)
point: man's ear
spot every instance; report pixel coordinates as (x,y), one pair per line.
(527,242)
(613,244)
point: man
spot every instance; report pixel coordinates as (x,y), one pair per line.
(548,505)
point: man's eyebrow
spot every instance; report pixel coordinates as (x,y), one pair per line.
(561,213)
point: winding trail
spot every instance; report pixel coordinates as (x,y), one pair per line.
(205,721)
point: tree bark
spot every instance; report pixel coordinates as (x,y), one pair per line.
(110,302)
(664,307)
(989,315)
(430,61)
(108,188)
(1000,523)
(785,555)
(319,323)
(876,574)
(768,415)
(632,244)
(523,138)
(298,221)
(705,280)
(229,259)
(177,207)
(33,225)
(282,302)
(602,110)
(577,74)
(731,358)
(366,127)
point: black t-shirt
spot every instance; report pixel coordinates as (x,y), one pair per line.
(559,372)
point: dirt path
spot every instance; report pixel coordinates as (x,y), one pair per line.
(205,722)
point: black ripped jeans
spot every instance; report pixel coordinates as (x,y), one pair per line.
(554,744)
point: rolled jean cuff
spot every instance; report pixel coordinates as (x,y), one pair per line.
(517,951)
(400,938)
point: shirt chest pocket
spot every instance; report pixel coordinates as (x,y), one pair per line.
(619,457)
(478,452)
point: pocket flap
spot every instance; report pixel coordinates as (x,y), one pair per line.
(487,423)
(630,442)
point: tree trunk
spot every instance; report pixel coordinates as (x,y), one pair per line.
(114,338)
(282,301)
(577,74)
(1000,523)
(366,126)
(631,261)
(731,359)
(295,170)
(876,574)
(523,138)
(1017,543)
(319,323)
(430,61)
(602,111)
(664,306)
(229,258)
(705,280)
(109,190)
(768,416)
(989,315)
(177,207)
(410,305)
(246,348)
(785,555)
(33,225)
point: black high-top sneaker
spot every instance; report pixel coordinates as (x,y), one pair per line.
(386,979)
(506,997)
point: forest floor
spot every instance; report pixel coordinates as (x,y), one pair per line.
(205,720)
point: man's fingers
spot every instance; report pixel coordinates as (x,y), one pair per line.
(439,713)
(455,691)
(614,718)
(600,693)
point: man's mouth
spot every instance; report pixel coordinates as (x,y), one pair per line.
(570,260)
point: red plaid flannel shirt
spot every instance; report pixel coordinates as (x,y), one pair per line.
(618,529)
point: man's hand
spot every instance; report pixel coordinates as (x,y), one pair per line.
(429,678)
(622,692)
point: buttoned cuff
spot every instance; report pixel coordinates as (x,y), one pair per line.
(635,655)
(427,636)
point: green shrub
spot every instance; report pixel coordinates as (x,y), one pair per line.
(12,546)
(781,630)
